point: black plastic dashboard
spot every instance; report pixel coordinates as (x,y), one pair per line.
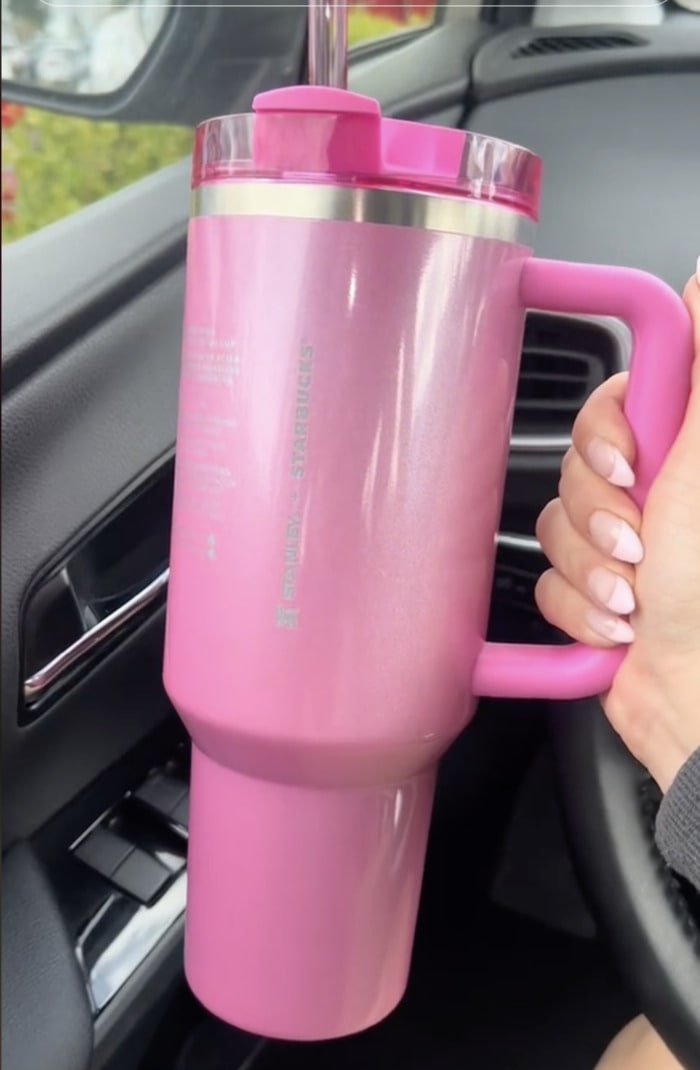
(622,167)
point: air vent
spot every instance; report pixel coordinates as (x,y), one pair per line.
(563,361)
(557,45)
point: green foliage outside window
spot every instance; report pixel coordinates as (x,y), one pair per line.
(62,163)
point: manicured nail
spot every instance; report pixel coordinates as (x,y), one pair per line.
(615,537)
(609,463)
(611,590)
(611,628)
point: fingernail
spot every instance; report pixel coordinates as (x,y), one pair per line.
(697,271)
(615,537)
(609,463)
(611,628)
(611,590)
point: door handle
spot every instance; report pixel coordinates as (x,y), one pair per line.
(88,644)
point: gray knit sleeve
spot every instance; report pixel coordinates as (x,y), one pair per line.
(678,822)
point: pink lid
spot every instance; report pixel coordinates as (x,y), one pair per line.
(311,133)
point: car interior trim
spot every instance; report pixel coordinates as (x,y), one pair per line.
(40,682)
(507,540)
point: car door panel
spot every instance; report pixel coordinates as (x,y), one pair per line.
(47,1022)
(116,389)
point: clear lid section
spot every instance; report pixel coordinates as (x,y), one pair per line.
(318,134)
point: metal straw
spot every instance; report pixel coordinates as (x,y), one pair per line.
(328,43)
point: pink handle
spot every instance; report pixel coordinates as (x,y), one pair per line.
(657,396)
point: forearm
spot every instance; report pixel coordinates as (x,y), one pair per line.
(678,822)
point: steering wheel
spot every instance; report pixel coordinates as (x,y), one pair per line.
(650,918)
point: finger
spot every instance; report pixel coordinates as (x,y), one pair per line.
(600,512)
(566,608)
(691,297)
(602,435)
(594,576)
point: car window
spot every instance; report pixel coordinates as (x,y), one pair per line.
(52,164)
(372,20)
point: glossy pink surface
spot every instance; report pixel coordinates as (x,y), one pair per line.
(302,902)
(338,485)
(344,421)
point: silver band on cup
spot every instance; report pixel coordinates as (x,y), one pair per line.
(425,211)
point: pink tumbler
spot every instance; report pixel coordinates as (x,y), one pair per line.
(356,297)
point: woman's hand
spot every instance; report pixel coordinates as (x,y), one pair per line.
(619,577)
